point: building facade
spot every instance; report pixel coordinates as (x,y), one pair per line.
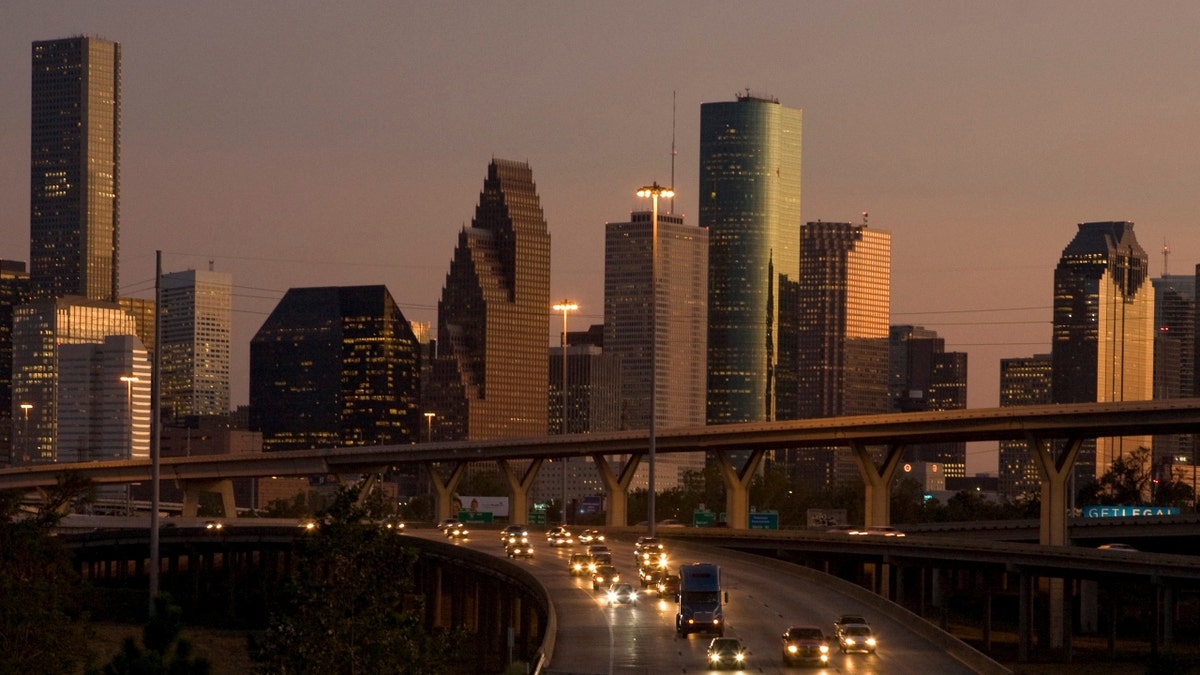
(75,168)
(923,376)
(104,404)
(1174,364)
(196,336)
(844,301)
(14,291)
(1103,334)
(335,367)
(1023,381)
(489,378)
(750,153)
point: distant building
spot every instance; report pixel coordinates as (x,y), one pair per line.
(335,367)
(104,404)
(40,329)
(145,320)
(1103,335)
(74,192)
(14,291)
(750,204)
(196,336)
(489,376)
(1023,381)
(844,298)
(1174,363)
(923,376)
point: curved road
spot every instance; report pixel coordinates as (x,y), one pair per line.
(595,639)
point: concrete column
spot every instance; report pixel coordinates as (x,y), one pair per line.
(443,488)
(617,488)
(1024,611)
(1168,619)
(1055,472)
(193,489)
(877,482)
(518,487)
(737,484)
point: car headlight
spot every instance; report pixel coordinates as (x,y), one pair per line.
(739,656)
(871,641)
(662,562)
(616,578)
(612,597)
(792,649)
(824,649)
(716,621)
(714,657)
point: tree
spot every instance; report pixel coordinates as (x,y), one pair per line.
(165,653)
(1127,481)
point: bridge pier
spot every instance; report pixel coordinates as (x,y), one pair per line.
(877,482)
(737,486)
(518,487)
(444,488)
(617,488)
(1055,472)
(194,489)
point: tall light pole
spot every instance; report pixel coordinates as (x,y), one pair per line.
(26,407)
(429,426)
(653,191)
(129,380)
(564,307)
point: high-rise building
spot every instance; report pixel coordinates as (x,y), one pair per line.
(104,404)
(1023,381)
(924,376)
(335,367)
(196,327)
(844,300)
(1103,335)
(1174,356)
(74,187)
(490,375)
(40,329)
(14,291)
(750,205)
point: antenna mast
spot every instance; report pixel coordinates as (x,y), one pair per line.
(673,153)
(1166,253)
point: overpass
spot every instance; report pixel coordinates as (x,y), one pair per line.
(1054,434)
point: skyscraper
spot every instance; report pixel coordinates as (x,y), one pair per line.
(750,204)
(104,405)
(924,376)
(74,188)
(14,291)
(490,375)
(1174,355)
(844,298)
(1023,381)
(1103,334)
(196,322)
(333,367)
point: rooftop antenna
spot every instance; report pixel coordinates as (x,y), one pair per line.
(673,151)
(864,217)
(1166,254)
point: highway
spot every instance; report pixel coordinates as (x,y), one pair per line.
(763,600)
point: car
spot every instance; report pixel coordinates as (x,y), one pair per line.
(599,560)
(671,522)
(519,550)
(651,576)
(805,644)
(1116,546)
(457,531)
(605,576)
(591,536)
(856,637)
(214,525)
(394,524)
(447,523)
(652,559)
(644,543)
(559,536)
(877,531)
(513,530)
(513,539)
(848,619)
(726,652)
(593,549)
(621,594)
(578,564)
(668,586)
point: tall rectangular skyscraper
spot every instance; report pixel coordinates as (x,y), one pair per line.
(196,320)
(74,187)
(490,376)
(750,204)
(1023,381)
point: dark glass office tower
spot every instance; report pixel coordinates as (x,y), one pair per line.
(490,375)
(924,376)
(1103,334)
(1023,381)
(74,189)
(750,203)
(334,367)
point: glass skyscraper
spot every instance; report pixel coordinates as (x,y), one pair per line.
(1103,335)
(1023,381)
(750,203)
(74,188)
(196,323)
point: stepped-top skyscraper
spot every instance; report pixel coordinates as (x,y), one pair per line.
(1103,339)
(750,204)
(74,187)
(490,376)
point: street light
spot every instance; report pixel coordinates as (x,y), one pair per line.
(429,426)
(653,191)
(564,307)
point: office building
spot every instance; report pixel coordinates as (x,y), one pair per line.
(196,334)
(750,204)
(335,367)
(104,404)
(1174,364)
(923,376)
(14,291)
(1023,381)
(40,329)
(1103,333)
(490,376)
(74,190)
(844,300)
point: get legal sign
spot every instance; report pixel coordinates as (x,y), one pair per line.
(1129,511)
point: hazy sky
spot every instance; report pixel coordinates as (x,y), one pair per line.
(316,143)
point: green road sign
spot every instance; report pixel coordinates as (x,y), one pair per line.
(764,520)
(537,517)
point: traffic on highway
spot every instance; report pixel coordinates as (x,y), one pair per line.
(646,604)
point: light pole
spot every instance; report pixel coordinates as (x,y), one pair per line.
(26,407)
(429,426)
(129,380)
(564,307)
(653,191)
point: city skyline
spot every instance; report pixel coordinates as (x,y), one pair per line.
(303,145)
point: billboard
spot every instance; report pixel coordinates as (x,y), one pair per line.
(497,506)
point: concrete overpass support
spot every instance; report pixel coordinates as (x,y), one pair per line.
(737,483)
(877,481)
(193,489)
(617,488)
(1055,472)
(444,488)
(518,488)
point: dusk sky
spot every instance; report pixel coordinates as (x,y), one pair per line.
(313,143)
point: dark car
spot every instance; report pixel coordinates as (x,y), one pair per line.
(726,652)
(805,644)
(578,564)
(519,550)
(511,531)
(621,594)
(857,637)
(668,586)
(457,531)
(605,576)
